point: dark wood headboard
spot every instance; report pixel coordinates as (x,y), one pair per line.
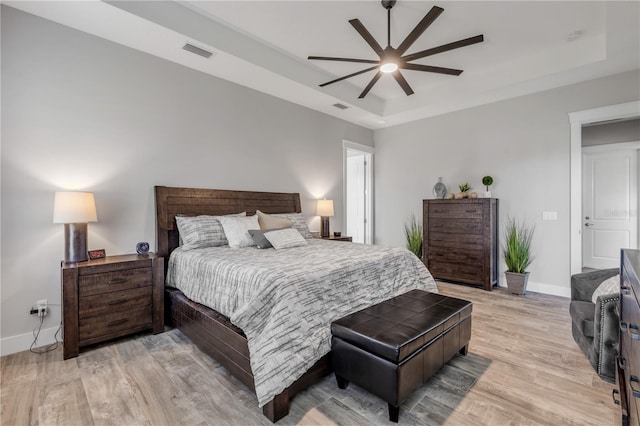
(193,201)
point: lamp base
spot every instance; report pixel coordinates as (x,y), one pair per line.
(324,226)
(75,242)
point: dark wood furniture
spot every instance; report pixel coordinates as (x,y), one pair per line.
(341,238)
(392,348)
(111,297)
(460,240)
(210,330)
(628,365)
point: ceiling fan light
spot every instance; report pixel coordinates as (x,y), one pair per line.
(389,67)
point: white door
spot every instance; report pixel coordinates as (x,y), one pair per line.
(609,203)
(358,190)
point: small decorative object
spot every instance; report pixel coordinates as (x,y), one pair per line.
(439,189)
(517,255)
(464,187)
(97,254)
(473,195)
(337,234)
(142,247)
(75,210)
(487,181)
(413,233)
(451,196)
(324,209)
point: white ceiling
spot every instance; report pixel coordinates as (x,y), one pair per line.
(264,45)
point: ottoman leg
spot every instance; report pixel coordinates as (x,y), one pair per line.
(464,350)
(342,383)
(394,412)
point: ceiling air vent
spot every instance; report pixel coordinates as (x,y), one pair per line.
(340,106)
(198,51)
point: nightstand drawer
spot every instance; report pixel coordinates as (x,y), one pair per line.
(110,325)
(114,281)
(101,304)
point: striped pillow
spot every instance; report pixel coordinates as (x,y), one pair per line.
(285,238)
(298,222)
(202,231)
(237,230)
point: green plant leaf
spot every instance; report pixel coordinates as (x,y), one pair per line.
(517,246)
(413,234)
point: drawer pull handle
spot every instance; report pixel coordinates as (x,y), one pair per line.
(438,211)
(122,321)
(120,281)
(624,327)
(625,289)
(471,211)
(635,336)
(633,378)
(615,395)
(621,363)
(636,393)
(117,302)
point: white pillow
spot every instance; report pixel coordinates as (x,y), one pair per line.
(237,230)
(201,231)
(608,286)
(285,238)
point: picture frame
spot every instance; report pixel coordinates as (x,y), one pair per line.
(97,254)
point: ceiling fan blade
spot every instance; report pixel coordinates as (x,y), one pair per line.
(366,35)
(347,76)
(373,81)
(402,82)
(419,29)
(444,48)
(429,68)
(328,58)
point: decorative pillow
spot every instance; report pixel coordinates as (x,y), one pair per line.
(202,231)
(268,221)
(259,238)
(608,286)
(285,238)
(298,222)
(237,230)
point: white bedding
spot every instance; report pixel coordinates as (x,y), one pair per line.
(285,300)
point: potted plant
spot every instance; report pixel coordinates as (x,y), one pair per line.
(487,181)
(517,255)
(413,233)
(464,187)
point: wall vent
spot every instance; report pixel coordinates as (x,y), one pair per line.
(340,106)
(197,50)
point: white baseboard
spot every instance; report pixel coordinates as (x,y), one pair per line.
(22,342)
(545,288)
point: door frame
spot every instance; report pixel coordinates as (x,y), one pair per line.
(370,175)
(577,120)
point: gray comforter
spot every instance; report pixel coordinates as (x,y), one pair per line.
(285,300)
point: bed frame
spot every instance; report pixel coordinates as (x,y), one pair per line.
(211,331)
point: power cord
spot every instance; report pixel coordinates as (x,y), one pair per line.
(47,348)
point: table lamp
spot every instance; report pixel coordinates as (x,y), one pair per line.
(75,210)
(324,209)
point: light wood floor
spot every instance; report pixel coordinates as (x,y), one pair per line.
(523,369)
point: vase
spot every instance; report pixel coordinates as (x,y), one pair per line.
(439,189)
(517,283)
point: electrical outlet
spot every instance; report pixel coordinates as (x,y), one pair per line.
(42,307)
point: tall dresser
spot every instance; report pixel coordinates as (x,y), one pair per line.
(460,241)
(629,358)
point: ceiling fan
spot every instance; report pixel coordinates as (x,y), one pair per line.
(392,60)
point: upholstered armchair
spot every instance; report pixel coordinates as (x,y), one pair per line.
(595,326)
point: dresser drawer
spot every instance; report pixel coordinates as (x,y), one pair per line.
(124,300)
(463,211)
(459,226)
(114,324)
(472,274)
(114,281)
(452,255)
(463,241)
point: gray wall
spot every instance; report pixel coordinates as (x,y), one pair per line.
(79,112)
(524,143)
(608,133)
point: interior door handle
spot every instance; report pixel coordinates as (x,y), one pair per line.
(588,224)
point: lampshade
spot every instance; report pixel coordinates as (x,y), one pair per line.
(74,207)
(325,208)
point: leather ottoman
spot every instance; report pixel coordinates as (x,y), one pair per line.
(392,348)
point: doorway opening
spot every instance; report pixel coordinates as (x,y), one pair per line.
(358,191)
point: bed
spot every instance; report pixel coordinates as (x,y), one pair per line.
(216,333)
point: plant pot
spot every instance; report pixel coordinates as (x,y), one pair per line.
(517,283)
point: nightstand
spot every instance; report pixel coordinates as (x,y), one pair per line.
(342,238)
(112,297)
